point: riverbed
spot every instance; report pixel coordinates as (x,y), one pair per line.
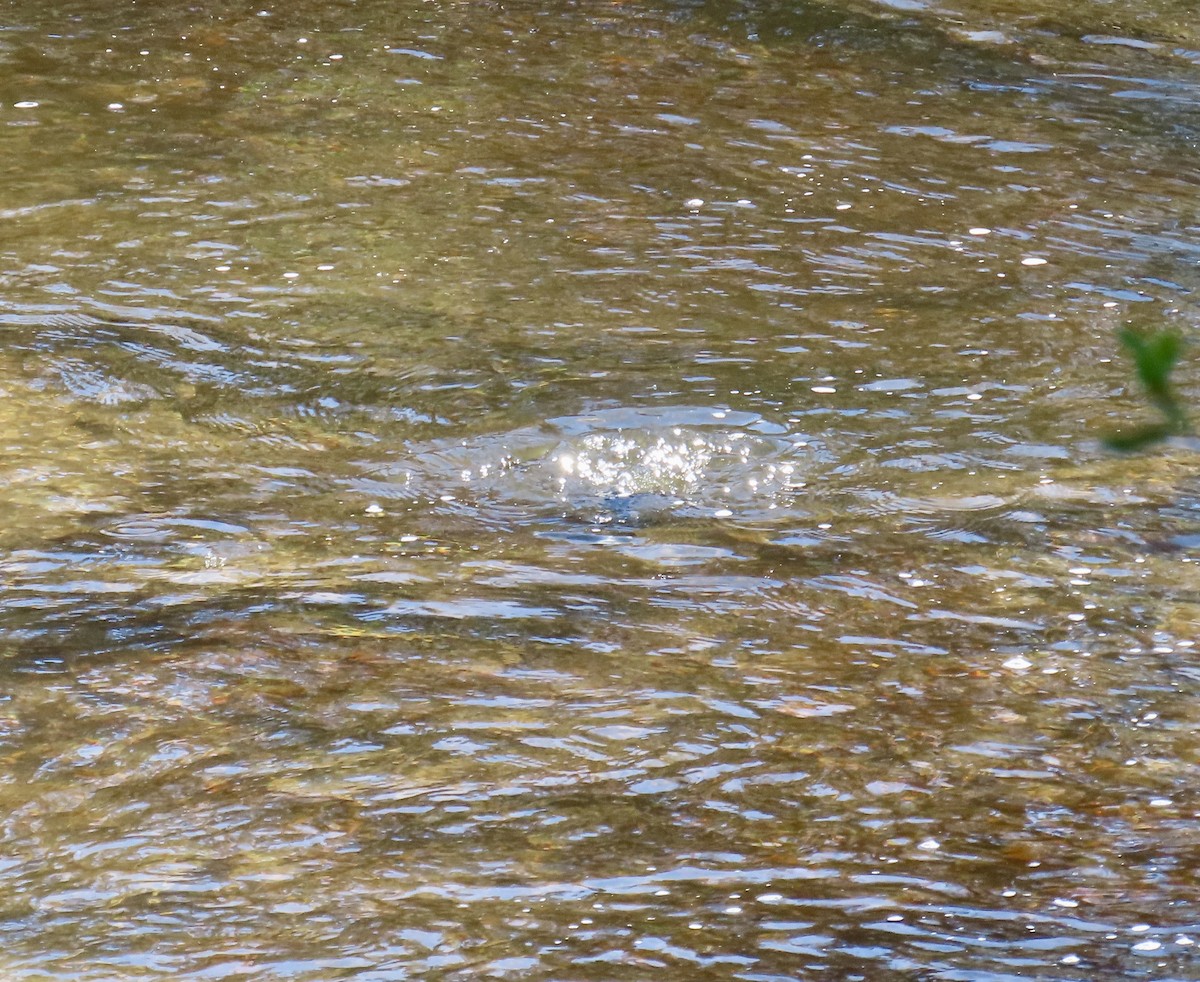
(590,490)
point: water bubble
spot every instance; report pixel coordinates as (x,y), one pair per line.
(1148,945)
(1018,663)
(695,202)
(980,230)
(27,104)
(929,845)
(1033,261)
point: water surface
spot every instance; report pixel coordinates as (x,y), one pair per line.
(593,491)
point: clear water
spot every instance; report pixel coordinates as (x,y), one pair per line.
(595,491)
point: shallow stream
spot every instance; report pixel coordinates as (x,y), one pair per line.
(590,490)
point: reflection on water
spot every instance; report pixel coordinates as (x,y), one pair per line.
(676,459)
(592,491)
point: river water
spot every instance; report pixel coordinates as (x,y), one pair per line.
(595,491)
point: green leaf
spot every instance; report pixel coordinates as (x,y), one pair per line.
(1154,357)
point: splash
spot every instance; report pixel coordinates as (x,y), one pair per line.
(682,459)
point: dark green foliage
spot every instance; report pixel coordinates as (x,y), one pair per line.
(1154,357)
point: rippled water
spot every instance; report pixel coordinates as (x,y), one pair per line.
(595,491)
